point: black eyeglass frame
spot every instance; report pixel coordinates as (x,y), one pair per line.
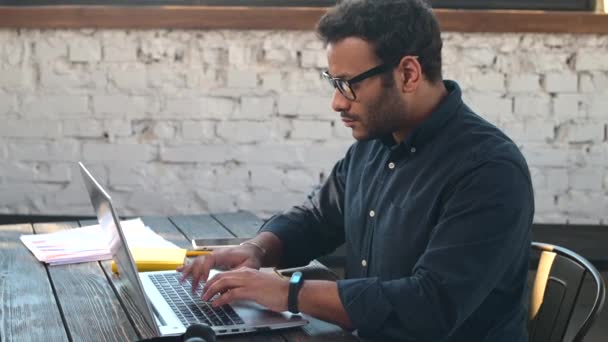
(340,83)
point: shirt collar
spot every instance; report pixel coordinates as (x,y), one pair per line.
(431,126)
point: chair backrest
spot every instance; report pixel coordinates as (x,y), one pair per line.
(556,289)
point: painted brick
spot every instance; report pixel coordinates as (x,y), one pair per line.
(44,151)
(548,62)
(305,105)
(84,50)
(586,179)
(165,130)
(272,80)
(167,79)
(120,105)
(520,83)
(300,181)
(130,80)
(277,154)
(594,81)
(8,103)
(278,56)
(587,60)
(118,152)
(561,82)
(526,106)
(17,79)
(493,108)
(198,130)
(119,53)
(583,132)
(83,128)
(55,173)
(255,108)
(544,202)
(267,177)
(314,59)
(201,108)
(545,156)
(47,50)
(314,130)
(17,172)
(55,106)
(197,153)
(242,79)
(31,128)
(557,179)
(478,57)
(117,128)
(598,108)
(241,55)
(489,81)
(566,107)
(71,81)
(583,205)
(262,94)
(530,131)
(243,131)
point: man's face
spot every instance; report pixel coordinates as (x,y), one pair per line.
(379,108)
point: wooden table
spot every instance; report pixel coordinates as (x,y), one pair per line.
(79,302)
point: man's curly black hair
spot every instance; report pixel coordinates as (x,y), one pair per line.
(396,28)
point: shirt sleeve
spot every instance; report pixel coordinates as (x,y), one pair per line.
(316,227)
(482,238)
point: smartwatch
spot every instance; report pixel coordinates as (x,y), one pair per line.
(295,284)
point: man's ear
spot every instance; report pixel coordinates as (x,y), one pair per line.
(410,73)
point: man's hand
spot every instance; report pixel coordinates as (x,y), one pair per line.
(267,289)
(230,258)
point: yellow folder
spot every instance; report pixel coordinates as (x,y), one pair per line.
(159,259)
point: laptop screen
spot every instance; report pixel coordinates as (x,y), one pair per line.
(127,281)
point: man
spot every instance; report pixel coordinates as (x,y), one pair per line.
(434,204)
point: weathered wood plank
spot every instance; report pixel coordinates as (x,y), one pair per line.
(200,226)
(165,228)
(26,294)
(241,224)
(318,330)
(90,306)
(125,292)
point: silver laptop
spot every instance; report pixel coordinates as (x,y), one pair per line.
(166,306)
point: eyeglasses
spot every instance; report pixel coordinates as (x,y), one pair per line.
(345,86)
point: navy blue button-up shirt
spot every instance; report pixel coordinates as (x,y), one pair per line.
(437,231)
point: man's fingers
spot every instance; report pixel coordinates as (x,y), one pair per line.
(221,285)
(200,269)
(208,264)
(230,296)
(185,270)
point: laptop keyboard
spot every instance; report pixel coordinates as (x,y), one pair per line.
(189,307)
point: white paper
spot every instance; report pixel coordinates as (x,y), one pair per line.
(90,243)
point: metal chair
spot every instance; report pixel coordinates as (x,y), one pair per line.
(556,289)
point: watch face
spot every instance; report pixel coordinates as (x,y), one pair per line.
(296,277)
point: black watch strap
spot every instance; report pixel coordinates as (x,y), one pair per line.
(295,284)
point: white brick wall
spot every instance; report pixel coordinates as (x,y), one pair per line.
(191,121)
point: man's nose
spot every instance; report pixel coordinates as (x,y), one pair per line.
(339,103)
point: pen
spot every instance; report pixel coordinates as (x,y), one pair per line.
(197,253)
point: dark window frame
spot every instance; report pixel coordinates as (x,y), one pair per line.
(571,5)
